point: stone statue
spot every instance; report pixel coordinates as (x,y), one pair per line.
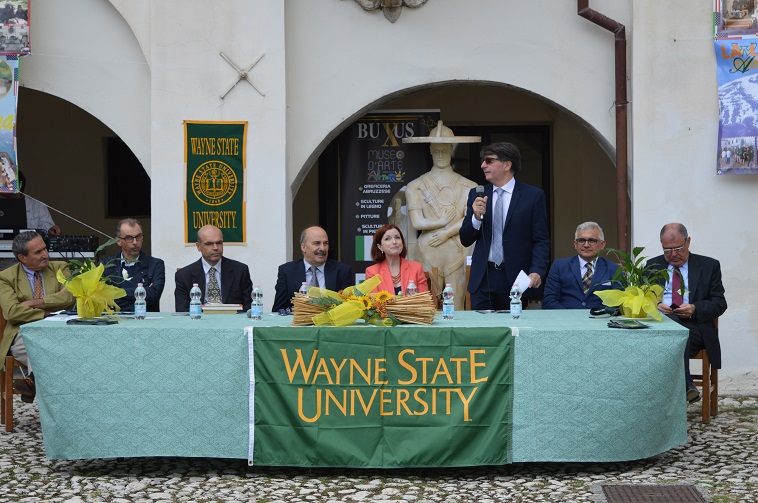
(436,204)
(397,214)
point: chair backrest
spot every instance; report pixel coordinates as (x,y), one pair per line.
(433,281)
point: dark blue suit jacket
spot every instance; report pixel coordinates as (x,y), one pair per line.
(563,287)
(236,285)
(706,292)
(526,239)
(292,274)
(149,271)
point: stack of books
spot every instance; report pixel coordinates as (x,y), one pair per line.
(222,308)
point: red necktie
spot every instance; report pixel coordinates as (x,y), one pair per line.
(676,287)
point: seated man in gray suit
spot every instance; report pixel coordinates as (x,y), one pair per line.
(572,282)
(222,280)
(315,268)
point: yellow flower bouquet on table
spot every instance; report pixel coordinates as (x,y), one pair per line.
(322,307)
(86,283)
(641,286)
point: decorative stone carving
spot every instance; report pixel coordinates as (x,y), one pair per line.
(390,8)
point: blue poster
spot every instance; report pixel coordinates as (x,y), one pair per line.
(8,102)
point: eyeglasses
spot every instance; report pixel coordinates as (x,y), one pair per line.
(678,249)
(489,160)
(130,239)
(582,241)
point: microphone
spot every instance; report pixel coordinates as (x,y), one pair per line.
(480,193)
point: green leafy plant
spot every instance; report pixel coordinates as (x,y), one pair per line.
(641,285)
(77,267)
(634,271)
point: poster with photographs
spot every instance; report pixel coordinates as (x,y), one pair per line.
(734,19)
(14,27)
(8,102)
(737,73)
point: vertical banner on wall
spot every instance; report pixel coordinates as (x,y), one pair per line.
(374,168)
(215,159)
(737,70)
(8,104)
(735,30)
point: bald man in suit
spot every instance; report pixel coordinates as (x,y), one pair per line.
(700,303)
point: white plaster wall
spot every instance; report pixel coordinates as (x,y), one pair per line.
(675,130)
(137,15)
(341,59)
(84,52)
(188,77)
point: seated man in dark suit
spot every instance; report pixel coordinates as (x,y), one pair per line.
(315,268)
(693,296)
(222,280)
(572,282)
(132,266)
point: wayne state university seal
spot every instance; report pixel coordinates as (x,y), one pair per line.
(214,183)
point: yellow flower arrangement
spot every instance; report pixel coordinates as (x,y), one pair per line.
(322,307)
(93,294)
(641,289)
(345,307)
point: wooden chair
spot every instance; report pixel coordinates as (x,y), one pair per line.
(6,384)
(433,282)
(708,382)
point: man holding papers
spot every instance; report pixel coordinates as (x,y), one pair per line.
(508,223)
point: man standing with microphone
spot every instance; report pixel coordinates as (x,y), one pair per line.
(508,222)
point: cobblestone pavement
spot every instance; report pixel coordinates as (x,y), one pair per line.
(720,458)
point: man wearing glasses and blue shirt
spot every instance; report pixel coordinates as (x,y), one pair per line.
(693,296)
(572,282)
(508,223)
(132,266)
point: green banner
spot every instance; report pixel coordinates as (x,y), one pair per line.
(382,397)
(215,159)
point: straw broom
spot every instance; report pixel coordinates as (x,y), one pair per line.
(303,312)
(418,309)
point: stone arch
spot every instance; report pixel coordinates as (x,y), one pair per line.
(580,150)
(106,73)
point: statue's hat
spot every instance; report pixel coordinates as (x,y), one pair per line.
(442,134)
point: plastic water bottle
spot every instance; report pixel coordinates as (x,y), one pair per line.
(304,288)
(515,302)
(196,305)
(411,289)
(448,302)
(256,308)
(140,306)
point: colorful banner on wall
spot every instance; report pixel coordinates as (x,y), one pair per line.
(735,30)
(375,166)
(8,105)
(737,70)
(215,173)
(387,397)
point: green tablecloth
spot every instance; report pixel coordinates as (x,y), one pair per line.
(179,387)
